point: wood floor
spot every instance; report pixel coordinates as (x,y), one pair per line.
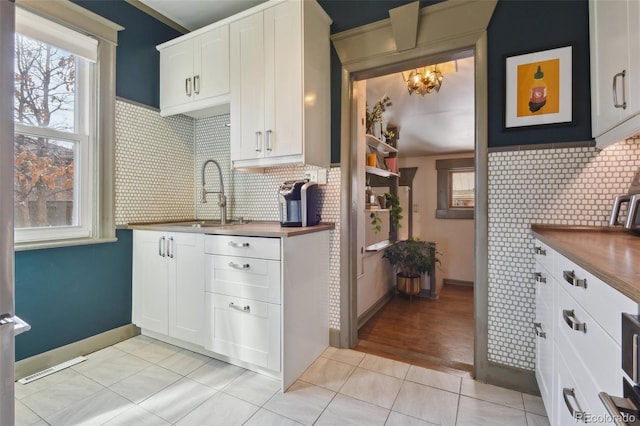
(436,334)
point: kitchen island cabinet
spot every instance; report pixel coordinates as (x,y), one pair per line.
(264,297)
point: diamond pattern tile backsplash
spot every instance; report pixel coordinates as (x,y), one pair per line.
(562,186)
(158,177)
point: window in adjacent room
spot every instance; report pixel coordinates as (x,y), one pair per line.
(58,184)
(456,188)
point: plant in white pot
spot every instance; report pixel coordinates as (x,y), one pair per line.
(411,259)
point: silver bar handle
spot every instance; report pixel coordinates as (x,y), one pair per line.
(258,141)
(196,84)
(236,266)
(245,308)
(161,246)
(575,413)
(187,86)
(540,278)
(613,405)
(539,250)
(570,318)
(238,245)
(269,138)
(539,332)
(571,278)
(170,247)
(623,105)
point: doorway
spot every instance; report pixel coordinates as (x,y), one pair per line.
(454,27)
(434,135)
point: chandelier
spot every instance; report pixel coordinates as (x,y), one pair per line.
(425,80)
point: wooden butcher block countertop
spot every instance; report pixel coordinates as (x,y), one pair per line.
(611,254)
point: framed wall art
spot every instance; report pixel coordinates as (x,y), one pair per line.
(539,88)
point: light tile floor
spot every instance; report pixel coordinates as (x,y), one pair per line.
(142,381)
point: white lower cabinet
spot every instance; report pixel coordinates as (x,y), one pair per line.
(258,302)
(577,327)
(244,329)
(168,284)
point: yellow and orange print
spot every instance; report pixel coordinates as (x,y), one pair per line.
(538,88)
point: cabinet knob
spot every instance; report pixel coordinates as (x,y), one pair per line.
(616,104)
(258,141)
(187,86)
(539,277)
(196,84)
(238,245)
(539,332)
(236,266)
(571,278)
(245,308)
(269,139)
(576,413)
(571,320)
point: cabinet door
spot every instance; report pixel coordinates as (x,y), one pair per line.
(247,88)
(150,281)
(176,74)
(211,63)
(283,87)
(609,50)
(186,287)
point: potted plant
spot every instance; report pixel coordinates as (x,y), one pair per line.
(375,115)
(411,259)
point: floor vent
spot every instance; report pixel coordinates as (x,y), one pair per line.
(51,370)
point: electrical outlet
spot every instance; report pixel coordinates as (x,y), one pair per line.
(318,176)
(416,208)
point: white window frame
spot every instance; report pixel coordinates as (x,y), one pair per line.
(96,138)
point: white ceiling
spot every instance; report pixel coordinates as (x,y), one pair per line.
(194,14)
(437,123)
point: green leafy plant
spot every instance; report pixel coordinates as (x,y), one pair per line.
(395,210)
(375,222)
(388,135)
(411,258)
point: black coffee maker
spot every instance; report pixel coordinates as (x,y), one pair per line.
(298,200)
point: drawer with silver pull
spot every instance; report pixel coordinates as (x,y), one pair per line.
(581,340)
(245,277)
(577,400)
(593,295)
(235,245)
(244,330)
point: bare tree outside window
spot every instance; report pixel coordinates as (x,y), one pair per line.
(45,98)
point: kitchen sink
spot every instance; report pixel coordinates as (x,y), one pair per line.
(206,223)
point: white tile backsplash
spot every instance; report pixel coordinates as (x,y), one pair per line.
(560,186)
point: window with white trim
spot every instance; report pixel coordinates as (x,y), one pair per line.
(55,134)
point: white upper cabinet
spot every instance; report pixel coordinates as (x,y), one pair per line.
(614,28)
(280,87)
(194,72)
